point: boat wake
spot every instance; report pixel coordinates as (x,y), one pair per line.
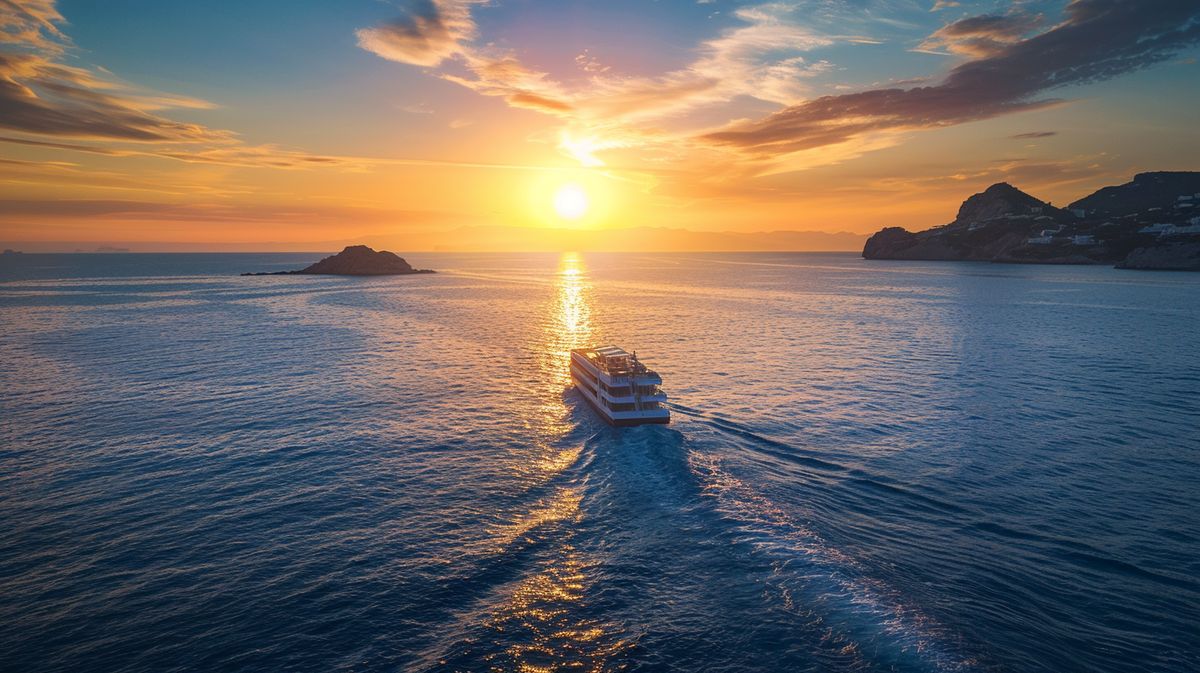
(810,578)
(813,580)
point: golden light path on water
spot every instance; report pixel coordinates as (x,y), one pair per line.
(540,620)
(563,323)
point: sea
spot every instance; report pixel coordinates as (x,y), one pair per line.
(871,466)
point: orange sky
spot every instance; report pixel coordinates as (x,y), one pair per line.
(452,124)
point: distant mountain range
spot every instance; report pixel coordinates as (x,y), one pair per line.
(1152,222)
(500,238)
(640,239)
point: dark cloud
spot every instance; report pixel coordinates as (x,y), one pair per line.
(993,25)
(985,35)
(1034,134)
(1099,39)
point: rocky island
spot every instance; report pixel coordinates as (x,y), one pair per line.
(1152,222)
(355,260)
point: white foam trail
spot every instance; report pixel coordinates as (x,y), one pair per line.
(836,580)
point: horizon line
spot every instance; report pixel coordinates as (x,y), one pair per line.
(15,252)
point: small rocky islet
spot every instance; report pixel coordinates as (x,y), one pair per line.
(1152,222)
(355,260)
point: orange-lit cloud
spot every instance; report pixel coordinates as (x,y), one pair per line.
(426,33)
(42,96)
(1100,39)
(985,35)
(762,59)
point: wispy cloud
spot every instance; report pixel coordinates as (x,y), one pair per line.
(225,154)
(764,58)
(1015,60)
(985,35)
(426,32)
(761,59)
(499,73)
(41,95)
(1098,40)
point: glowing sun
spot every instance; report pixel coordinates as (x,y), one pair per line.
(570,202)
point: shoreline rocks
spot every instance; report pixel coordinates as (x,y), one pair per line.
(1170,257)
(1152,222)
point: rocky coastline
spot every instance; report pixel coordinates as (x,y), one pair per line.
(1150,223)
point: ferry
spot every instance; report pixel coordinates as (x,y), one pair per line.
(618,386)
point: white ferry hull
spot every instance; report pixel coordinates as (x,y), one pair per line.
(622,400)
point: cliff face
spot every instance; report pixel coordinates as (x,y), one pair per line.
(989,225)
(997,201)
(890,242)
(1154,215)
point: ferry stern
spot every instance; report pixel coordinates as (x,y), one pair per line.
(618,386)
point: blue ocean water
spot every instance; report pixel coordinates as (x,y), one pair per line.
(873,466)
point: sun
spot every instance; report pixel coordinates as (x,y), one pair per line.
(571,202)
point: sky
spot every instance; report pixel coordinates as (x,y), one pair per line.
(515,124)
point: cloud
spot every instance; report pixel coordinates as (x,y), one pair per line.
(251,156)
(763,58)
(417,109)
(199,210)
(426,33)
(589,63)
(32,22)
(1098,40)
(985,35)
(43,96)
(61,175)
(196,219)
(536,102)
(496,73)
(1033,134)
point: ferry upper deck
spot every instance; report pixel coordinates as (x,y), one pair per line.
(617,364)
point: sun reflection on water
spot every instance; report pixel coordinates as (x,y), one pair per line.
(565,323)
(539,627)
(573,327)
(569,324)
(542,622)
(562,507)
